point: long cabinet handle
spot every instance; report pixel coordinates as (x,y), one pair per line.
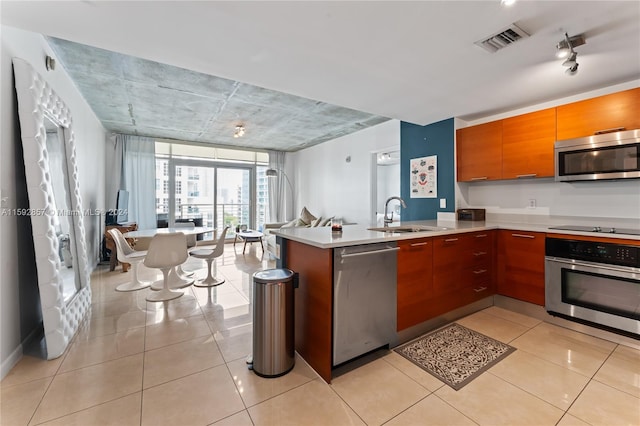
(424,243)
(602,132)
(528,175)
(450,240)
(370,253)
(481,236)
(479,253)
(480,178)
(523,236)
(481,271)
(479,289)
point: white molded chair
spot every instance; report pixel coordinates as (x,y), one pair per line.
(191,243)
(128,255)
(210,256)
(166,251)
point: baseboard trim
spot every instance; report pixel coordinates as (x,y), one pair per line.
(19,351)
(540,313)
(11,361)
(441,320)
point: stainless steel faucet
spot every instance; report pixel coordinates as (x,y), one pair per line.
(389,219)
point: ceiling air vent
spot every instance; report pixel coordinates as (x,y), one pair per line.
(502,39)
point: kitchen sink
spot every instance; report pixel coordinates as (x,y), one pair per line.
(408,228)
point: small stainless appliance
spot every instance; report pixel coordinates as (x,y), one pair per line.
(613,155)
(596,283)
(364,299)
(471,214)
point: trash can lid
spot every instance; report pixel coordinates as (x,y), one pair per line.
(273,275)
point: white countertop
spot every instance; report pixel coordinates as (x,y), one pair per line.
(352,235)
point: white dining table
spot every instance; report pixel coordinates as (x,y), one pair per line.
(175,281)
(148,233)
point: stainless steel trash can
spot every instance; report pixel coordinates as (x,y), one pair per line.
(273,321)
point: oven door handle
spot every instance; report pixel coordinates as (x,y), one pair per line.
(625,269)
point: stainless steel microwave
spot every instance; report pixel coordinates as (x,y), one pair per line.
(608,156)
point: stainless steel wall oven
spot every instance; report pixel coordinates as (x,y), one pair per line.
(597,283)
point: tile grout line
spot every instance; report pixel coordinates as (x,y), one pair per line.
(592,378)
(447,402)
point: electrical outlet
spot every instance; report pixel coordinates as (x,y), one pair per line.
(532,203)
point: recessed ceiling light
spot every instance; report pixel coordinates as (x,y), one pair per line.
(507,2)
(239,132)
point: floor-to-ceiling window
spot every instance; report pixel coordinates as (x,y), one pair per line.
(212,186)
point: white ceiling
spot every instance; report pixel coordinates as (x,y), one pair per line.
(414,61)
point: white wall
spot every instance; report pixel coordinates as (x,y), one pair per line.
(615,199)
(388,185)
(329,185)
(19,282)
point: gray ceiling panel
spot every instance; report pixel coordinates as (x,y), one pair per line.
(139,97)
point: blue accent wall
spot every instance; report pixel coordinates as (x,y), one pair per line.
(422,141)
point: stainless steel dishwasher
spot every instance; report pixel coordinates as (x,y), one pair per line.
(364,299)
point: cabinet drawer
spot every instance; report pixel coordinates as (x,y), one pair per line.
(480,247)
(477,274)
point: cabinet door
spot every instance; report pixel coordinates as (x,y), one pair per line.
(587,117)
(450,255)
(479,152)
(521,265)
(415,281)
(527,145)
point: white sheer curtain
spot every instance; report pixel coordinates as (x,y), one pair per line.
(139,178)
(278,189)
(113,158)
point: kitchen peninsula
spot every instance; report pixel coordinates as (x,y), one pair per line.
(442,267)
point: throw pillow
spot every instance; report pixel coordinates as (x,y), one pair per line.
(291,224)
(306,216)
(326,221)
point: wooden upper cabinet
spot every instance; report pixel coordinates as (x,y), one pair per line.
(587,117)
(527,145)
(479,152)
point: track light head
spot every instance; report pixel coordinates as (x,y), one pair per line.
(565,50)
(573,70)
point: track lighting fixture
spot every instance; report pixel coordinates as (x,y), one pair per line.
(239,131)
(565,50)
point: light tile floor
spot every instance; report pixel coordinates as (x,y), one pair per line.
(183,363)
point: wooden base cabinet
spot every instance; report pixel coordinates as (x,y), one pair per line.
(463,270)
(415,281)
(521,265)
